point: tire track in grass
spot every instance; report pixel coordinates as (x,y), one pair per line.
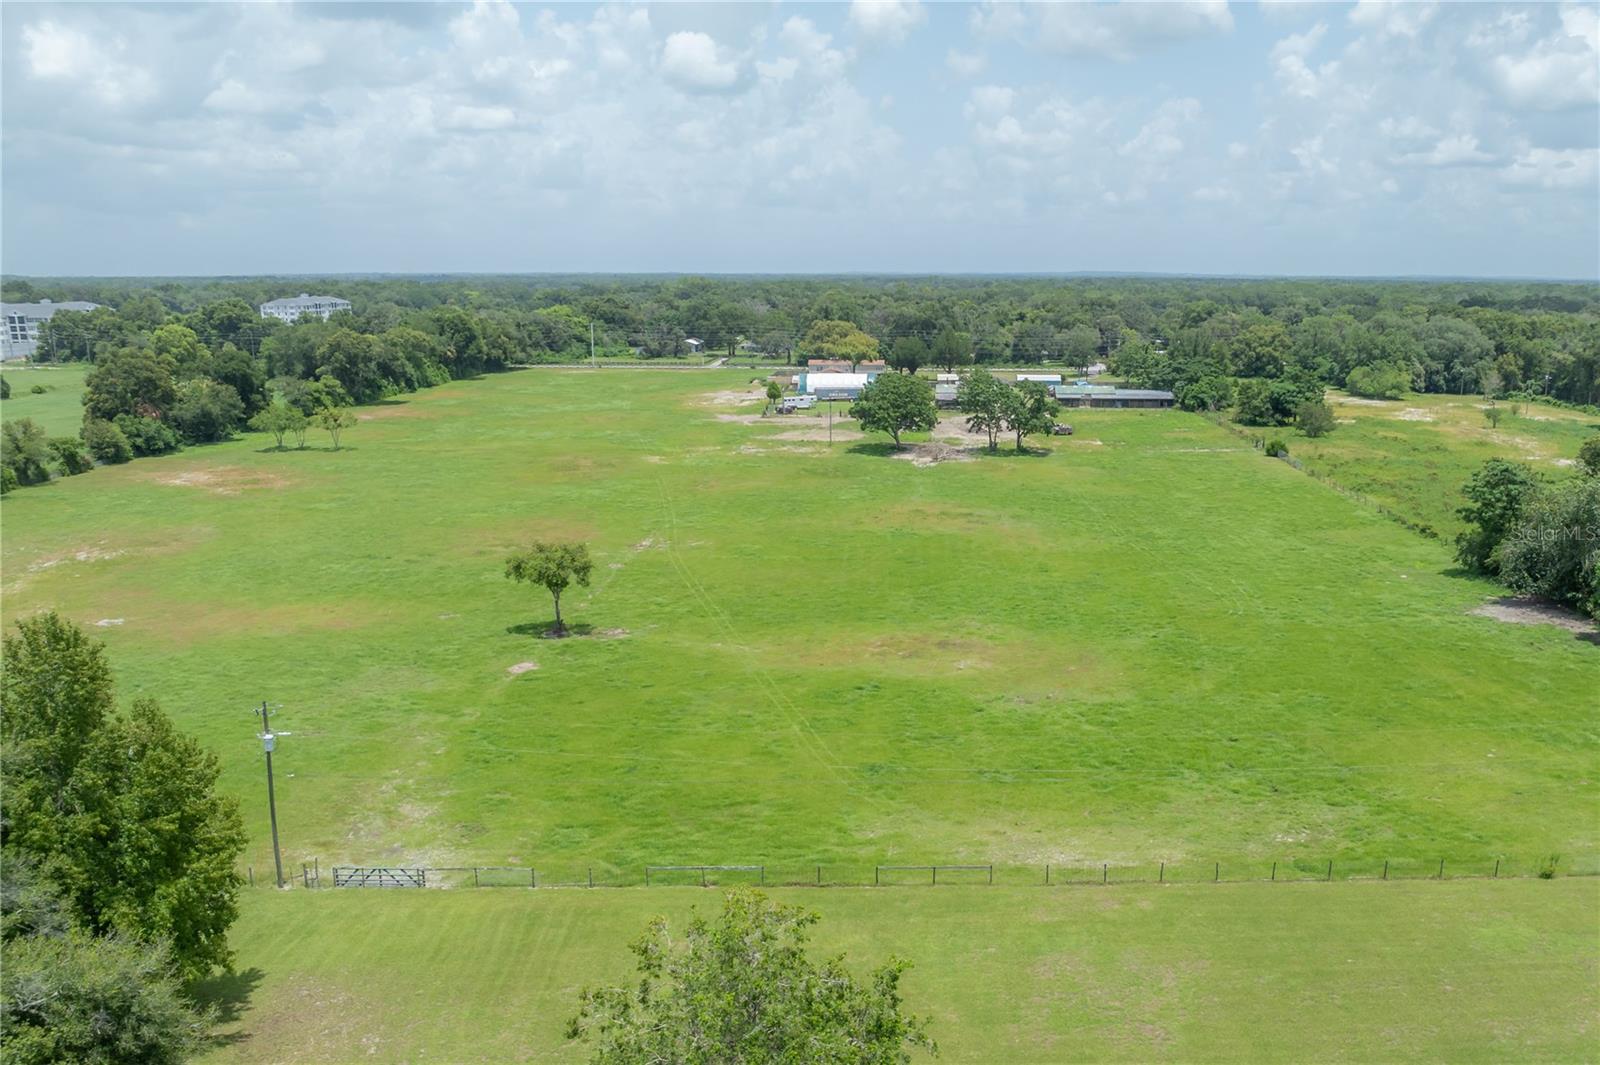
(813,743)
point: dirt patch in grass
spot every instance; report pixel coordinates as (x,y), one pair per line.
(94,553)
(1529,610)
(819,435)
(522,667)
(733,397)
(932,454)
(222,480)
(956,429)
(1414,414)
(398,410)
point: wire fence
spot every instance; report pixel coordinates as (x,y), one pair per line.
(954,874)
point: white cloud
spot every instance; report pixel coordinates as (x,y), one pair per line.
(1114,31)
(989,101)
(1551,168)
(1293,72)
(1392,18)
(1458,150)
(1159,140)
(1562,70)
(63,54)
(693,62)
(965,64)
(888,20)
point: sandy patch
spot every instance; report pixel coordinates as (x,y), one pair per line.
(818,435)
(1357,401)
(734,397)
(956,429)
(522,667)
(933,454)
(82,554)
(1091,443)
(1414,414)
(108,622)
(654,458)
(1528,610)
(224,480)
(1565,462)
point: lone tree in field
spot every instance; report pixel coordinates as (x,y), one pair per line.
(280,419)
(894,404)
(741,988)
(983,397)
(1030,410)
(554,567)
(336,420)
(774,393)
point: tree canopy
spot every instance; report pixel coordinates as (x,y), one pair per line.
(742,987)
(894,404)
(554,567)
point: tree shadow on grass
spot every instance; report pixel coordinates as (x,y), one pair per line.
(228,994)
(546,630)
(1013,453)
(876,448)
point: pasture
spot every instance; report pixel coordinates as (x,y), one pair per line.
(59,408)
(1413,455)
(1145,642)
(1453,971)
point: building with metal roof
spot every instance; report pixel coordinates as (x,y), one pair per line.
(293,308)
(1107,396)
(20,338)
(834,385)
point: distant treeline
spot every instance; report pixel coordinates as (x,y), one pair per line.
(191,360)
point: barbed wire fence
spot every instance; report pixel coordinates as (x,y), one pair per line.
(1238,870)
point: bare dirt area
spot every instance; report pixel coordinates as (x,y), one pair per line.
(932,454)
(224,480)
(1414,414)
(1529,610)
(956,429)
(819,435)
(734,397)
(522,667)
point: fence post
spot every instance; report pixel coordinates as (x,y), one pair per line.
(1274,872)
(763,876)
(305,875)
(1386,868)
(647,876)
(874,876)
(936,874)
(1330,870)
(252,871)
(475,877)
(1216,875)
(702,876)
(591,876)
(1046,874)
(991,874)
(1105,872)
(316,870)
(1441,869)
(1161,877)
(1497,868)
(533,877)
(424,872)
(819,876)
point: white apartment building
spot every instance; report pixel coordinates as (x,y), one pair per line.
(293,308)
(21,330)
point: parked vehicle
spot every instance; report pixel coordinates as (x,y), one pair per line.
(1061,430)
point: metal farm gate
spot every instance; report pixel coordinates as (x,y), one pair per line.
(378,876)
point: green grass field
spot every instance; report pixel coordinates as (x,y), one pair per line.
(1452,971)
(1149,643)
(59,408)
(1413,455)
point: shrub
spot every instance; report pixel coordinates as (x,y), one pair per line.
(1277,449)
(5,388)
(207,411)
(147,436)
(1589,456)
(71,459)
(8,480)
(1315,418)
(108,444)
(1496,497)
(1380,381)
(38,390)
(24,451)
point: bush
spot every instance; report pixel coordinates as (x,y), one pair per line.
(207,411)
(5,388)
(1315,418)
(71,459)
(1496,497)
(1277,449)
(1589,456)
(147,436)
(25,452)
(38,390)
(8,480)
(108,444)
(1382,381)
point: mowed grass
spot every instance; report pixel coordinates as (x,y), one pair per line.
(1147,643)
(59,408)
(1413,455)
(1451,971)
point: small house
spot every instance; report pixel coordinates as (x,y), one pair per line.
(1046,379)
(693,345)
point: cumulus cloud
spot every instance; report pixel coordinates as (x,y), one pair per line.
(693,62)
(1392,18)
(965,64)
(1560,71)
(70,56)
(888,20)
(1112,31)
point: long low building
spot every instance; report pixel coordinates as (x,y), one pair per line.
(293,308)
(834,385)
(1107,396)
(21,337)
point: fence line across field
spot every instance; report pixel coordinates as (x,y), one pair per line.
(941,874)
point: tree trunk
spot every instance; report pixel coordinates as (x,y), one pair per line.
(560,629)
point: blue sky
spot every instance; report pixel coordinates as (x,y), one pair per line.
(1350,139)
